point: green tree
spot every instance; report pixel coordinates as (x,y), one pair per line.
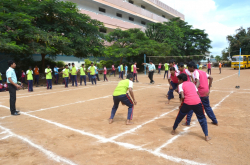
(133,42)
(183,39)
(218,58)
(239,40)
(55,27)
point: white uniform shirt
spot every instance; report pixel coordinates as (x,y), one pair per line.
(28,71)
(46,70)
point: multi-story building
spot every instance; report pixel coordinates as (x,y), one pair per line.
(126,14)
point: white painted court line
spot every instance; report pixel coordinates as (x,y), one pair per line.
(139,126)
(76,88)
(5,137)
(106,140)
(187,128)
(43,109)
(49,154)
(225,77)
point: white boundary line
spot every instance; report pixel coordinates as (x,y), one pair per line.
(76,88)
(49,154)
(125,145)
(225,77)
(139,126)
(5,137)
(187,128)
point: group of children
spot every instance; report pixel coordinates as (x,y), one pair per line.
(193,86)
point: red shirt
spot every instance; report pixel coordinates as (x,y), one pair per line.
(174,78)
(190,93)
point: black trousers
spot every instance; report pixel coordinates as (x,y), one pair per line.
(150,76)
(12,91)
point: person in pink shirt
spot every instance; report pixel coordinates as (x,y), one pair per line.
(159,68)
(190,102)
(23,77)
(209,67)
(112,70)
(173,83)
(105,73)
(135,72)
(201,81)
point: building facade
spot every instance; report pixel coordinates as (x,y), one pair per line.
(126,14)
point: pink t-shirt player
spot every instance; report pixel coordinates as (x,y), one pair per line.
(190,93)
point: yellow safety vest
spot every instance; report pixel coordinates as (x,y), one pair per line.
(92,70)
(48,75)
(66,73)
(29,75)
(73,71)
(82,71)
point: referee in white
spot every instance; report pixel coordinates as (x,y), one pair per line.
(151,69)
(13,86)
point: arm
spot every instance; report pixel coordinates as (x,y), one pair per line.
(210,81)
(170,86)
(182,96)
(197,83)
(132,95)
(18,86)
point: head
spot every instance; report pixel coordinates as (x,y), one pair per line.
(36,66)
(22,70)
(172,70)
(95,64)
(135,63)
(55,66)
(151,62)
(199,63)
(69,64)
(48,66)
(130,77)
(104,65)
(181,67)
(12,64)
(208,61)
(171,63)
(66,66)
(82,65)
(191,66)
(182,77)
(30,68)
(73,64)
(92,64)
(125,64)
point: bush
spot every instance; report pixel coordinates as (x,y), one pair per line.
(60,64)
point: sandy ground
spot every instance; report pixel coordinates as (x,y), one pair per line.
(70,126)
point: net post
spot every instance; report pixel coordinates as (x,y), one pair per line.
(145,62)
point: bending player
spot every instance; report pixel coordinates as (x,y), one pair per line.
(120,95)
(173,83)
(190,102)
(201,80)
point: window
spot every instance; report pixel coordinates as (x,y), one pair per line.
(143,7)
(163,16)
(142,22)
(103,30)
(131,18)
(131,2)
(245,58)
(119,15)
(102,10)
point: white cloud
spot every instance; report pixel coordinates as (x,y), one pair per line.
(204,14)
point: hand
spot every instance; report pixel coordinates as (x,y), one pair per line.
(170,87)
(18,86)
(208,93)
(135,102)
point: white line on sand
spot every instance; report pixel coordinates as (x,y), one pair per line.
(50,154)
(63,90)
(225,77)
(187,128)
(139,126)
(43,109)
(5,137)
(125,145)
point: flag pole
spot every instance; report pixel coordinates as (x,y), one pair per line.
(239,63)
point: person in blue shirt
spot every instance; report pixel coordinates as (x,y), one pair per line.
(13,86)
(96,72)
(197,65)
(126,70)
(151,69)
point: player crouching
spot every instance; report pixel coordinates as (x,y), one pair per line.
(190,101)
(120,95)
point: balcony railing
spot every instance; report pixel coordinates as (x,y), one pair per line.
(111,21)
(136,10)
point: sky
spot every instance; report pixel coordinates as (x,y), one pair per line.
(218,18)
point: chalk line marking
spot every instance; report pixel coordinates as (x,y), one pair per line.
(139,126)
(225,77)
(106,140)
(5,137)
(49,154)
(43,109)
(187,128)
(76,88)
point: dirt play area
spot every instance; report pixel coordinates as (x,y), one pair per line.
(70,126)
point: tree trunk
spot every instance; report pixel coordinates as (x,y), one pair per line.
(43,61)
(121,60)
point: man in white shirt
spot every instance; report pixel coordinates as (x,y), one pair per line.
(151,69)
